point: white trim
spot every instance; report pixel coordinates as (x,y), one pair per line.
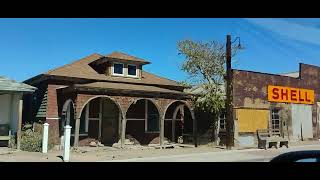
(53,118)
(136,70)
(112,69)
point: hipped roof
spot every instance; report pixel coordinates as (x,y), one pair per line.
(8,85)
(82,69)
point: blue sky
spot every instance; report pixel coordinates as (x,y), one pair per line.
(29,47)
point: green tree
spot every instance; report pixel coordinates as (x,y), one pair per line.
(205,64)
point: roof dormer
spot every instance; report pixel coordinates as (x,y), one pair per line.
(119,64)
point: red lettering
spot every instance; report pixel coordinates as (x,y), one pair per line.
(300,99)
(275,93)
(308,100)
(294,95)
(284,94)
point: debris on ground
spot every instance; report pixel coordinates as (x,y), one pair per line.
(129,143)
(100,145)
(93,144)
(78,150)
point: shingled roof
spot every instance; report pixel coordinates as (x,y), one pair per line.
(123,56)
(8,85)
(82,69)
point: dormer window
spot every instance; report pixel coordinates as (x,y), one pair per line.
(132,70)
(117,69)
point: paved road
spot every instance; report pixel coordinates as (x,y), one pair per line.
(249,155)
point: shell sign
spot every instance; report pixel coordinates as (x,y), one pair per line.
(290,95)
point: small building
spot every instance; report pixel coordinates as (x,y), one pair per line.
(289,102)
(11,92)
(110,98)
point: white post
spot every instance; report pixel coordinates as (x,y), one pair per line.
(45,138)
(66,151)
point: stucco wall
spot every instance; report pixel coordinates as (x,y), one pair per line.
(5,108)
(9,110)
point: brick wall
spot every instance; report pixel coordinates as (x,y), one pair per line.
(52,114)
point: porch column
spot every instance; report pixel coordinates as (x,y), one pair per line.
(195,129)
(76,133)
(123,130)
(161,130)
(19,124)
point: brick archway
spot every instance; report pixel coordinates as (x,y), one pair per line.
(82,100)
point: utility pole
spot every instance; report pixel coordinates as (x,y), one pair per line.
(229,94)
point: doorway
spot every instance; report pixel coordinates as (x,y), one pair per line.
(109,122)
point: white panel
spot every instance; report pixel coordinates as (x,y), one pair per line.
(246,140)
(5,108)
(301,121)
(15,112)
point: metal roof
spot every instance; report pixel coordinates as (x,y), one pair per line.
(8,85)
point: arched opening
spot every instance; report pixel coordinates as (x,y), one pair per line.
(143,122)
(179,123)
(67,117)
(100,121)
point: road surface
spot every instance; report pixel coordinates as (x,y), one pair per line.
(248,155)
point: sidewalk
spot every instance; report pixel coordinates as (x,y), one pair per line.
(93,154)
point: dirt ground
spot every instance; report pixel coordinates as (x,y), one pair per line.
(92,154)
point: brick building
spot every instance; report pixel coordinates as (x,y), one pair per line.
(108,98)
(289,102)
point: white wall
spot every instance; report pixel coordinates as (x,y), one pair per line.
(15,112)
(5,108)
(9,110)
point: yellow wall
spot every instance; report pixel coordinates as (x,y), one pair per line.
(249,120)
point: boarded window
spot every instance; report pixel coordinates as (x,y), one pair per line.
(249,120)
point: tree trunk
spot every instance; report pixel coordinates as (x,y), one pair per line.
(215,130)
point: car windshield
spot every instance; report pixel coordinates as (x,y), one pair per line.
(309,160)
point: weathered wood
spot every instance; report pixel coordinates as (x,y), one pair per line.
(19,124)
(76,133)
(119,124)
(123,131)
(161,130)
